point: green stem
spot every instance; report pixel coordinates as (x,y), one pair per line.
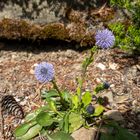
(59,92)
(87,63)
(59,114)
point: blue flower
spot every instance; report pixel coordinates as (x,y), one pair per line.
(44,72)
(104,39)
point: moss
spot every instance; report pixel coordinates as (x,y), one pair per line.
(21,29)
(54,30)
(11,29)
(104,14)
(88,40)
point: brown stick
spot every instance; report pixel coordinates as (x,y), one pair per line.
(98,130)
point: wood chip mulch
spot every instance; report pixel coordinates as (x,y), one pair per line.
(114,66)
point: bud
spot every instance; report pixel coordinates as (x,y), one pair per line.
(90,109)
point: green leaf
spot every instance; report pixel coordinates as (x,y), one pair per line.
(79,81)
(115,132)
(30,116)
(61,136)
(32,132)
(33,115)
(52,106)
(100,100)
(86,98)
(87,62)
(94,49)
(61,122)
(66,96)
(98,110)
(124,134)
(75,121)
(107,137)
(49,94)
(75,101)
(98,88)
(23,128)
(66,123)
(44,119)
(78,91)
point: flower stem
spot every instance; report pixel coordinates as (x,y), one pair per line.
(85,65)
(59,92)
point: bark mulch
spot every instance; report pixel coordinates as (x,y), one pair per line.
(116,67)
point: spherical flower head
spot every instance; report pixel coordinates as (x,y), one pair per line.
(90,109)
(44,72)
(104,39)
(106,85)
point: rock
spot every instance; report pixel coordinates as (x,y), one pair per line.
(109,96)
(122,99)
(114,114)
(84,134)
(66,20)
(135,103)
(138,67)
(130,125)
(113,66)
(98,80)
(101,66)
(69,53)
(45,11)
(32,68)
(31,71)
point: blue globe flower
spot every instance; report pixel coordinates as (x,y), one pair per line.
(106,85)
(44,72)
(90,109)
(104,39)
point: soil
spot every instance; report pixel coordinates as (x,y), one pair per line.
(116,67)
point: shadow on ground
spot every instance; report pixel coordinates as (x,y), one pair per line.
(40,46)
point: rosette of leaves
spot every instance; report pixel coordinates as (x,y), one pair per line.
(57,117)
(63,112)
(54,117)
(56,122)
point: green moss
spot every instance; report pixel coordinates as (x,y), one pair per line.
(127,36)
(55,30)
(21,29)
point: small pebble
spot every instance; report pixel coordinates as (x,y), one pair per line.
(130,125)
(101,66)
(135,102)
(113,66)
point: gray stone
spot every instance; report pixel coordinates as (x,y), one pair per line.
(84,134)
(114,114)
(68,20)
(43,11)
(108,94)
